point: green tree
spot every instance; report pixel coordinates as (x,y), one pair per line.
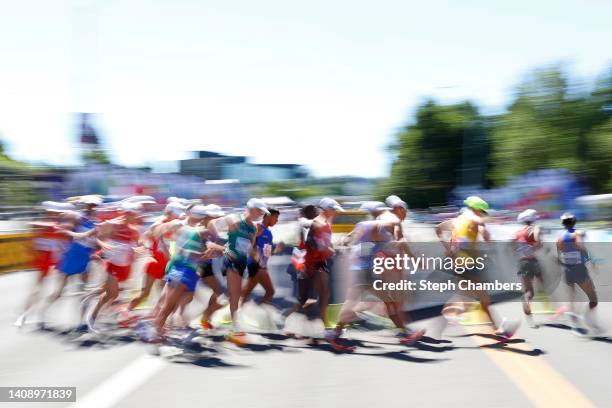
(445,147)
(552,124)
(15,185)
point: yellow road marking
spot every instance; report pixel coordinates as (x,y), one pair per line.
(540,383)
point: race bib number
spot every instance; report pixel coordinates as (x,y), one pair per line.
(45,244)
(267,250)
(119,254)
(571,258)
(243,245)
(298,255)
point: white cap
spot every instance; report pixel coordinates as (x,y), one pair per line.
(197,211)
(529,215)
(329,204)
(259,204)
(182,201)
(72,215)
(131,207)
(142,199)
(213,210)
(90,199)
(394,201)
(373,206)
(174,208)
(54,206)
(567,216)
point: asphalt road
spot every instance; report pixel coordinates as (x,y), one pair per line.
(465,365)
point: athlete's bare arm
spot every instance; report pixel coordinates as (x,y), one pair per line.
(169,227)
(537,236)
(78,235)
(484,232)
(230,222)
(441,229)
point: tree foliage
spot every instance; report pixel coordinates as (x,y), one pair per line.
(551,122)
(431,153)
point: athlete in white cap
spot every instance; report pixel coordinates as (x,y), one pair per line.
(526,241)
(118,238)
(241,234)
(319,249)
(158,245)
(182,276)
(48,247)
(573,257)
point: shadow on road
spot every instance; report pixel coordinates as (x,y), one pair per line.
(602,339)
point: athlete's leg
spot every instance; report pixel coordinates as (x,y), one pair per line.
(529,293)
(172,298)
(183,302)
(31,299)
(264,280)
(234,289)
(347,310)
(395,304)
(162,298)
(252,281)
(111,290)
(589,289)
(144,293)
(321,282)
(572,296)
(213,305)
(56,295)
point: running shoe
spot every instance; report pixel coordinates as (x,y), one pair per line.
(81,328)
(238,338)
(339,347)
(90,322)
(594,328)
(530,322)
(411,338)
(128,321)
(331,334)
(147,332)
(507,328)
(21,320)
(559,312)
(206,324)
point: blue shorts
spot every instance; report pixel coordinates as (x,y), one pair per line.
(75,259)
(183,274)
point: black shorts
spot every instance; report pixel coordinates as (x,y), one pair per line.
(253,268)
(575,273)
(235,264)
(529,268)
(205,270)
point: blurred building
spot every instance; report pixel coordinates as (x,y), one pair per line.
(216,166)
(119,181)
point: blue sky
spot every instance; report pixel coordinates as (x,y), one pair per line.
(322,83)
